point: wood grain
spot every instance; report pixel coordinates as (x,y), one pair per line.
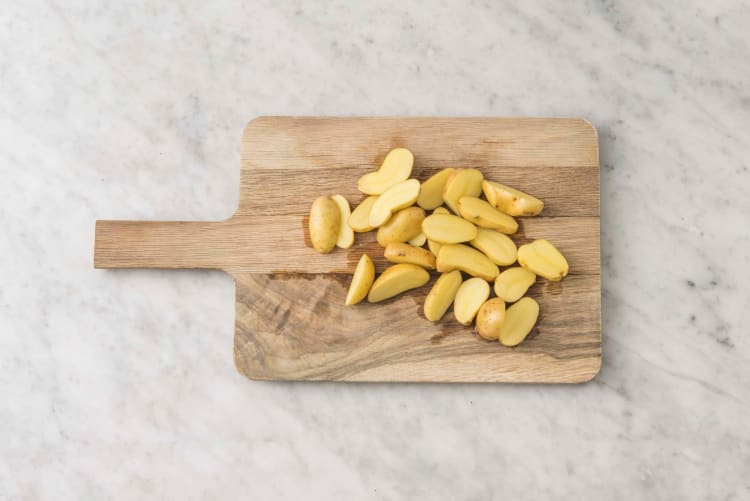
(290,319)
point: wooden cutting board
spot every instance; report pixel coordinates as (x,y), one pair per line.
(291,322)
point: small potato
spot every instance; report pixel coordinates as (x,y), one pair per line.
(418,241)
(465,183)
(498,247)
(431,193)
(441,210)
(362,280)
(397,197)
(470,297)
(359,220)
(346,235)
(396,167)
(513,283)
(402,226)
(484,215)
(490,318)
(441,295)
(434,246)
(397,279)
(510,200)
(542,258)
(448,229)
(464,258)
(519,320)
(324,225)
(397,252)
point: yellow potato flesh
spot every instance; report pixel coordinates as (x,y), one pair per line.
(396,167)
(359,220)
(520,319)
(397,197)
(513,283)
(364,274)
(469,298)
(484,215)
(346,235)
(510,200)
(542,258)
(397,279)
(462,257)
(498,247)
(397,252)
(431,193)
(465,183)
(441,295)
(448,229)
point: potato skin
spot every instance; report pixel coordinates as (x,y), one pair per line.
(490,318)
(402,226)
(325,221)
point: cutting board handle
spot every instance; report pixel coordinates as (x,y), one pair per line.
(157,244)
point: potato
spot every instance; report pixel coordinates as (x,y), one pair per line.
(490,318)
(513,283)
(441,295)
(498,247)
(464,258)
(519,320)
(431,192)
(397,279)
(324,224)
(434,246)
(364,274)
(484,215)
(448,229)
(397,197)
(465,183)
(359,220)
(397,252)
(469,298)
(510,200)
(542,258)
(402,226)
(441,210)
(419,240)
(396,168)
(345,238)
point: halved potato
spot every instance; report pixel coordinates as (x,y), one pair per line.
(362,279)
(396,168)
(397,197)
(397,279)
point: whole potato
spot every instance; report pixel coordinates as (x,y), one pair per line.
(325,221)
(490,318)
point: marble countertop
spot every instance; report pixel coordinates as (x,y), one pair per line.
(120,384)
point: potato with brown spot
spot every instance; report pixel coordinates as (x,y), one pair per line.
(397,252)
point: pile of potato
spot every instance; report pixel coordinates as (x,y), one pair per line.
(470,236)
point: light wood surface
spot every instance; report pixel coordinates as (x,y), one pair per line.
(291,322)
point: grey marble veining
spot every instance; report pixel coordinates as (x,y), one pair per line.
(120,385)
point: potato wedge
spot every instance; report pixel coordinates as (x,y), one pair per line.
(462,257)
(324,224)
(419,240)
(510,200)
(396,168)
(441,295)
(431,192)
(346,235)
(397,197)
(465,183)
(434,246)
(402,226)
(397,279)
(512,284)
(490,318)
(498,247)
(470,296)
(542,258)
(448,229)
(397,252)
(441,210)
(364,274)
(520,319)
(359,220)
(484,215)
